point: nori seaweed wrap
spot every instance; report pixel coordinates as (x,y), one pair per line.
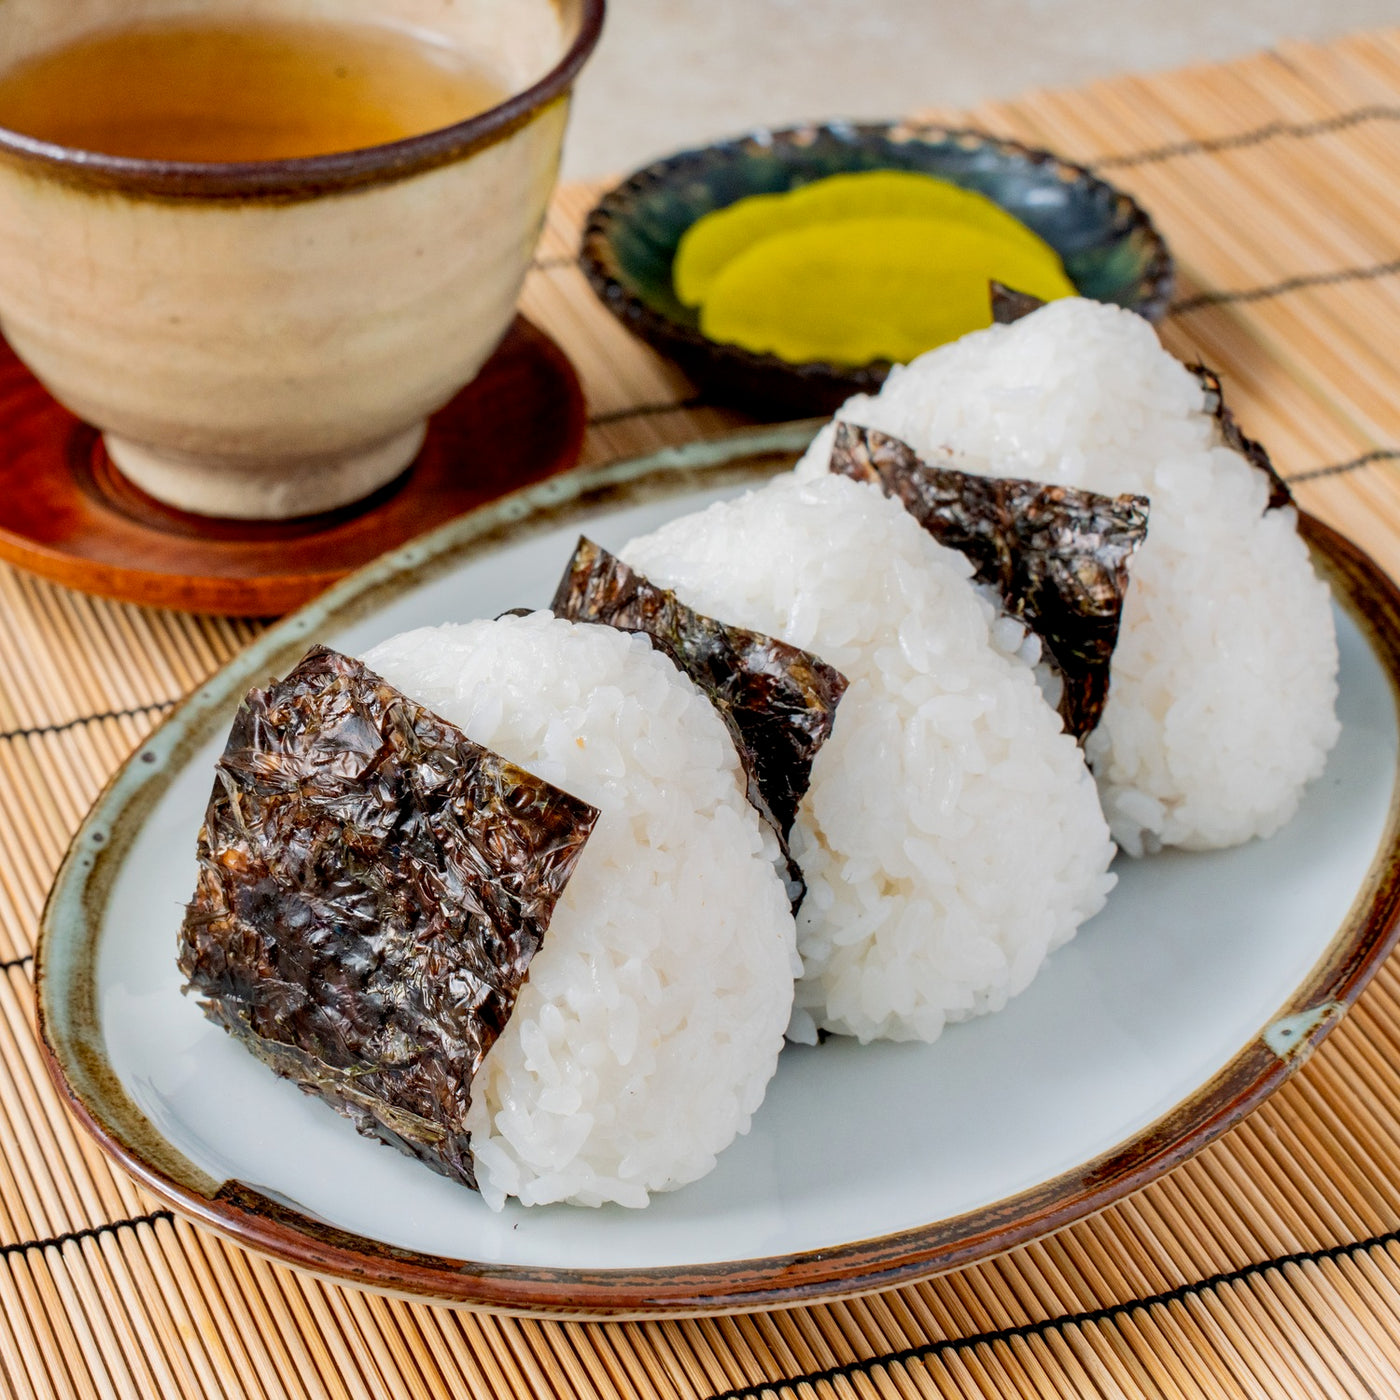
(1009,305)
(1253,452)
(777,701)
(372,886)
(1058,555)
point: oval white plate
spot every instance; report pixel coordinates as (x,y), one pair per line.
(1165,1020)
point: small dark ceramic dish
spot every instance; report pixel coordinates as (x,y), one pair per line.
(1109,246)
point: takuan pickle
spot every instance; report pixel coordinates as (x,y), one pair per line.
(879,265)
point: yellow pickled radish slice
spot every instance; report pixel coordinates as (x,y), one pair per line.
(719,237)
(870,289)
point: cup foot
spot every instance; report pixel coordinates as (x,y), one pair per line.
(277,490)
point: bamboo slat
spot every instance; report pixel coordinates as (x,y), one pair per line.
(1268,1265)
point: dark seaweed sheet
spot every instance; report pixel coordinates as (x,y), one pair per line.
(778,701)
(1009,305)
(372,886)
(1058,555)
(1253,452)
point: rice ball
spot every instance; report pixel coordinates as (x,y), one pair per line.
(951,835)
(652,1016)
(1222,705)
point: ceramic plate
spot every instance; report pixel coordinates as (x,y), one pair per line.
(1171,1015)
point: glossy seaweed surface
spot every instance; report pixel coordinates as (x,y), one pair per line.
(777,701)
(372,886)
(1057,555)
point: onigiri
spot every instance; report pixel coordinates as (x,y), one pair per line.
(650,1023)
(1222,703)
(951,835)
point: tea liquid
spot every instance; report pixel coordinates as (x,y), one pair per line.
(200,90)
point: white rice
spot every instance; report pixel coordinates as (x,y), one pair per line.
(653,1014)
(1222,704)
(951,836)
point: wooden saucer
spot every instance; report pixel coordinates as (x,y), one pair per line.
(67,514)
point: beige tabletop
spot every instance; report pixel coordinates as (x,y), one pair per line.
(673,73)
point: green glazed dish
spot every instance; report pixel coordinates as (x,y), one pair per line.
(1109,247)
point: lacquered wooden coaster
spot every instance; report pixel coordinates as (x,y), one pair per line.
(67,514)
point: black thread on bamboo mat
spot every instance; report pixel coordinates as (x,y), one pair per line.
(11,963)
(929,1350)
(136,712)
(92,1232)
(1206,145)
(1289,284)
(1253,137)
(646,410)
(1380,454)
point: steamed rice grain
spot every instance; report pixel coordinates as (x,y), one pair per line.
(1222,703)
(653,1014)
(951,835)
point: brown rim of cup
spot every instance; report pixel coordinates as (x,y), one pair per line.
(304,177)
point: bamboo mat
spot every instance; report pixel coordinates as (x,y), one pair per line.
(1267,1266)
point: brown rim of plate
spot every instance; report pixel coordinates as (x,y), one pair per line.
(304,177)
(252,1219)
(601,268)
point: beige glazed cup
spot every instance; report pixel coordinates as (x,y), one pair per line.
(265,340)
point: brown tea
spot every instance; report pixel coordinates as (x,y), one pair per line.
(203,90)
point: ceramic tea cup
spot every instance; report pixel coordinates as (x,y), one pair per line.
(266,339)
